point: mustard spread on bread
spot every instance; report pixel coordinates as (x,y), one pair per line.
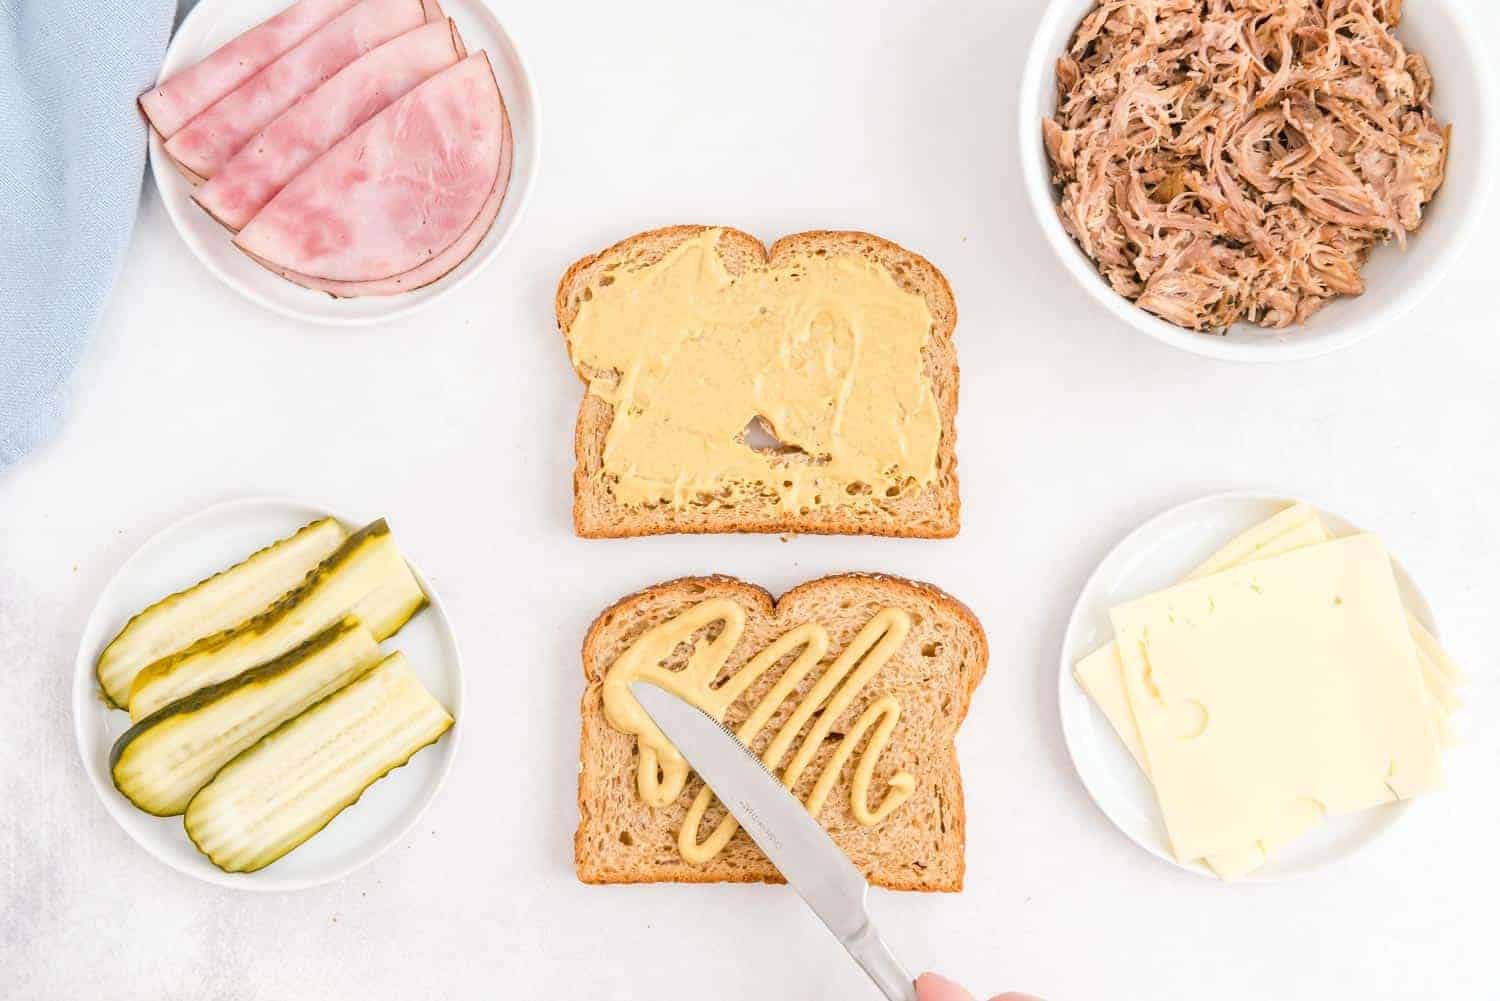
(826,350)
(662,772)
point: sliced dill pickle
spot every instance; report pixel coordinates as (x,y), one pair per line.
(366,577)
(291,784)
(213,605)
(162,761)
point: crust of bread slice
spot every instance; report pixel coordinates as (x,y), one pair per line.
(934,673)
(932,512)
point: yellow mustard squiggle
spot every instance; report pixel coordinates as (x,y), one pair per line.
(663,772)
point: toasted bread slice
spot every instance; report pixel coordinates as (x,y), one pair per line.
(929,512)
(932,674)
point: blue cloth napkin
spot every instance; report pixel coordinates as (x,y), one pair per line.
(72,148)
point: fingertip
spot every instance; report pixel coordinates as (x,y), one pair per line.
(931,987)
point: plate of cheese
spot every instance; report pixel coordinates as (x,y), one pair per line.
(1252,688)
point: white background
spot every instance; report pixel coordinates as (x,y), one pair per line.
(457,424)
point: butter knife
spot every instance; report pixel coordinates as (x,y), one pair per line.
(795,843)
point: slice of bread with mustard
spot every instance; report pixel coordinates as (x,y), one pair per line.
(851,688)
(808,388)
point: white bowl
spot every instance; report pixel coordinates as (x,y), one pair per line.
(1159,554)
(1442,30)
(214,22)
(184,553)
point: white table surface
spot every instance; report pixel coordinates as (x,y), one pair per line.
(458,425)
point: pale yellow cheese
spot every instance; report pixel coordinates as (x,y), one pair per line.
(1430,646)
(1287,529)
(1297,819)
(1099,674)
(1444,695)
(1441,725)
(1275,689)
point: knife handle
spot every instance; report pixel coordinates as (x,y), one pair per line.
(876,959)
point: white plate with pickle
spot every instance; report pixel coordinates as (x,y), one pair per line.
(238,692)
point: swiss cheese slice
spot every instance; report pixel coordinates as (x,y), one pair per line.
(1099,672)
(1101,676)
(1287,529)
(1276,690)
(1433,650)
(1295,527)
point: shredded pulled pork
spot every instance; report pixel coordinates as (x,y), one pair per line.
(1227,160)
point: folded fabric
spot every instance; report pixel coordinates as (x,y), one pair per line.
(72,153)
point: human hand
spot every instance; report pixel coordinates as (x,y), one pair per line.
(931,987)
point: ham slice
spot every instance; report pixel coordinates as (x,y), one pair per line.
(383,208)
(435,267)
(172,103)
(303,132)
(208,141)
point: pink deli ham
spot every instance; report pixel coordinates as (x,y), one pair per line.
(308,128)
(208,141)
(172,103)
(435,267)
(396,193)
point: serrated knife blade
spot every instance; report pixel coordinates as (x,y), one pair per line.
(795,843)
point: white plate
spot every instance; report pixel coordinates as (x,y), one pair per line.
(1159,554)
(1449,33)
(214,22)
(183,554)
